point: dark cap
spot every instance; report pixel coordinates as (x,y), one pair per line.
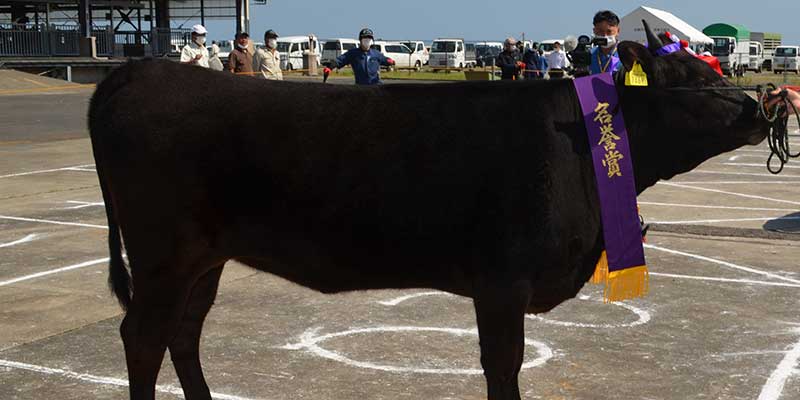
(242,35)
(270,34)
(366,33)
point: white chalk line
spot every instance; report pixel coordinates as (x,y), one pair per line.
(783,176)
(728,280)
(720,262)
(80,169)
(749,155)
(715,221)
(749,196)
(83,204)
(309,342)
(26,239)
(650,203)
(44,171)
(54,271)
(103,380)
(398,300)
(751,353)
(758,165)
(737,151)
(644,317)
(47,221)
(773,389)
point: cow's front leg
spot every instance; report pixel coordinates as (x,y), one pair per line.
(500,310)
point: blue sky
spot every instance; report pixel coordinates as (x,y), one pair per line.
(492,20)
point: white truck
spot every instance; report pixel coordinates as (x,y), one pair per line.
(731,47)
(450,53)
(733,54)
(756,61)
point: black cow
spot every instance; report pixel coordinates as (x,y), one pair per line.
(485,190)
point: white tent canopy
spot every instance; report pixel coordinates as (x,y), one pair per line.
(630,27)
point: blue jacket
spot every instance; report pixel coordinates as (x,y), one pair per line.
(534,62)
(366,65)
(598,59)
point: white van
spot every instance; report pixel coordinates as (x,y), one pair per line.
(293,48)
(450,53)
(403,56)
(334,48)
(418,47)
(786,59)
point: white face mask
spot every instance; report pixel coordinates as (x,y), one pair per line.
(200,40)
(241,46)
(271,43)
(366,43)
(611,41)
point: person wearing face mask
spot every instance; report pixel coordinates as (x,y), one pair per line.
(268,60)
(604,56)
(195,53)
(240,60)
(365,60)
(509,60)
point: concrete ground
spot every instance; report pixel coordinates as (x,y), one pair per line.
(721,321)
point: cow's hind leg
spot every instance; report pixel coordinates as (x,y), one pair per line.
(185,348)
(500,311)
(157,307)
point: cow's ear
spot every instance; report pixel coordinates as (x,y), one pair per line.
(631,52)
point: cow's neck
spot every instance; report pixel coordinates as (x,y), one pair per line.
(643,126)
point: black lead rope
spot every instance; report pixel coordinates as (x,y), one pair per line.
(778,136)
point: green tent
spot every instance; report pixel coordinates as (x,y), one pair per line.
(738,31)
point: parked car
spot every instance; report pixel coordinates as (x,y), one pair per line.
(487,52)
(418,47)
(450,53)
(293,48)
(786,59)
(225,48)
(403,56)
(334,48)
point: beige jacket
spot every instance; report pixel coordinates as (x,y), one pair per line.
(268,63)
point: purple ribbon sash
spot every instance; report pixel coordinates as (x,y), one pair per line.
(613,170)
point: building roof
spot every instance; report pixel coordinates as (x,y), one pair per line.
(660,21)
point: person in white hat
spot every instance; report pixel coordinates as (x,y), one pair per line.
(195,53)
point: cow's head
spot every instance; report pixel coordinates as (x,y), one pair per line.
(680,119)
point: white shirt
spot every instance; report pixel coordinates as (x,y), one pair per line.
(557,60)
(268,63)
(191,50)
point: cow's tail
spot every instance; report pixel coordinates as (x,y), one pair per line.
(119,279)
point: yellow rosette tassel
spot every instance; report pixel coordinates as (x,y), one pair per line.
(625,284)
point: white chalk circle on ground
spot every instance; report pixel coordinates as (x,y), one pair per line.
(309,341)
(644,317)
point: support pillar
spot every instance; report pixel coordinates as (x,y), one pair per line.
(83,19)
